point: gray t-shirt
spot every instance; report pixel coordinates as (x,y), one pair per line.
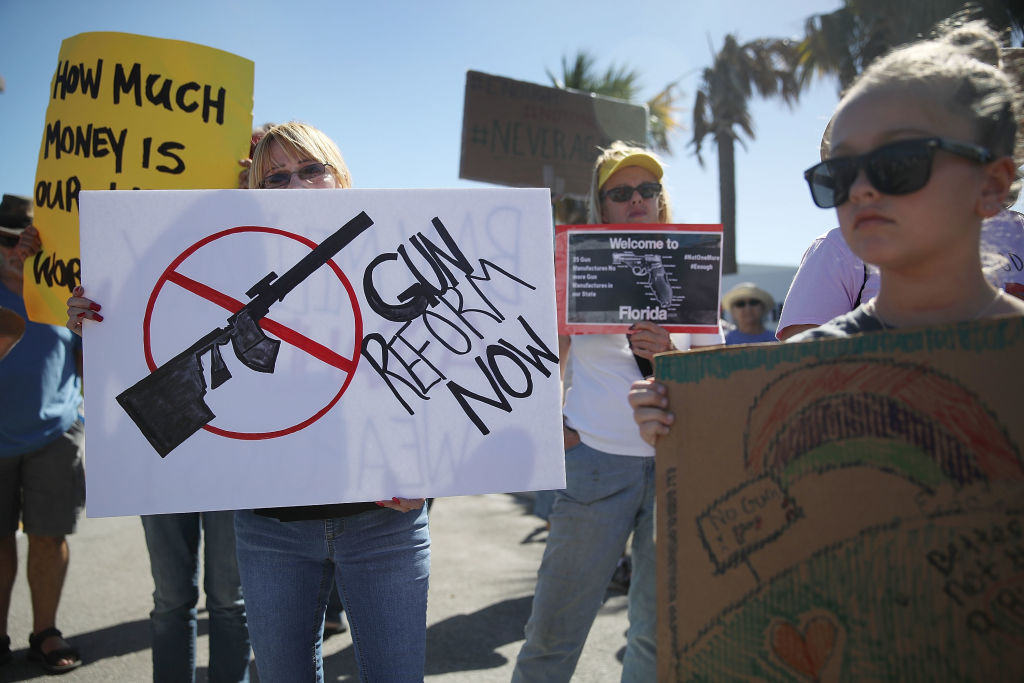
(856,321)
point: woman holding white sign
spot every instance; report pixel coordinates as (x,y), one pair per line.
(289,558)
(609,490)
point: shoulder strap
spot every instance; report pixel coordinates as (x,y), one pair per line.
(860,293)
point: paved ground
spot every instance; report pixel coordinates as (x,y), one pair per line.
(486,550)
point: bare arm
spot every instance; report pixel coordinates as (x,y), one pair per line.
(792,330)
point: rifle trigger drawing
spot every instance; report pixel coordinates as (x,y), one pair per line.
(168,407)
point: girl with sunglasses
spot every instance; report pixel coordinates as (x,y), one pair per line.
(609,490)
(919,153)
(831,280)
(378,553)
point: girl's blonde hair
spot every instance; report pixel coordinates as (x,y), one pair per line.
(958,70)
(303,141)
(616,151)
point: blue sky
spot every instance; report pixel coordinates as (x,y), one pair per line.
(386,79)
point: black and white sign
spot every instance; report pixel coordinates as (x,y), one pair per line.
(612,276)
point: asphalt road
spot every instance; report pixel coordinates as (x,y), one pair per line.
(485,554)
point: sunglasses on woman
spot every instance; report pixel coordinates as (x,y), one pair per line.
(623,193)
(310,173)
(897,168)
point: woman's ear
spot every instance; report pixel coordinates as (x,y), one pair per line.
(998,176)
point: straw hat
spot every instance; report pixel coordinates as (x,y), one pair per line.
(748,290)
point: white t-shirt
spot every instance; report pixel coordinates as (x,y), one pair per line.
(830,275)
(597,403)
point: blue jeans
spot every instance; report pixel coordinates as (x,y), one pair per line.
(380,560)
(606,497)
(173,543)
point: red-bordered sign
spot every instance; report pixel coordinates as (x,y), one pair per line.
(609,277)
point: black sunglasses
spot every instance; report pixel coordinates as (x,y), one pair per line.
(897,168)
(623,193)
(307,174)
(743,303)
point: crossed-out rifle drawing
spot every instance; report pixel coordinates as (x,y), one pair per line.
(168,407)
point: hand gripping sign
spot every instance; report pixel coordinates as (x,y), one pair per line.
(167,406)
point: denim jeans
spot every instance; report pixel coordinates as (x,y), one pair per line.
(606,497)
(380,560)
(173,543)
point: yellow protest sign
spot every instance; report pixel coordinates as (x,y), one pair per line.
(130,112)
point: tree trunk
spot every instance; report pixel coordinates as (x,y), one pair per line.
(727,200)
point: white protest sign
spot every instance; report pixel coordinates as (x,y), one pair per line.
(413,354)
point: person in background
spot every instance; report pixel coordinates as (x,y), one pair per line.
(42,483)
(609,491)
(377,553)
(180,546)
(748,305)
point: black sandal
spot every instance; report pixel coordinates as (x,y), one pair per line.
(5,650)
(48,660)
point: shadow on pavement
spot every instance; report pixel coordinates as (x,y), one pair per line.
(465,642)
(113,641)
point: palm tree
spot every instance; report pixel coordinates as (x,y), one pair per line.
(844,42)
(766,66)
(622,82)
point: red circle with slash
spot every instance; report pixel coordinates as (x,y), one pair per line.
(284,333)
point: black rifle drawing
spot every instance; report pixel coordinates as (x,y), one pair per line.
(651,266)
(168,407)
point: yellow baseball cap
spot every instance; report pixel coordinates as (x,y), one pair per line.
(640,159)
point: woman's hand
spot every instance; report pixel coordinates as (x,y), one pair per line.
(402,504)
(649,400)
(647,339)
(79,309)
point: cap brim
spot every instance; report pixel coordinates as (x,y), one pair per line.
(640,159)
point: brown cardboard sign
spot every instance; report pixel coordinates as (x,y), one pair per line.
(527,135)
(845,509)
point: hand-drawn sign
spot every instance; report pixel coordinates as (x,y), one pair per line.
(168,405)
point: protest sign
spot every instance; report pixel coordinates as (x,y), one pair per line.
(528,135)
(845,509)
(265,348)
(129,112)
(609,277)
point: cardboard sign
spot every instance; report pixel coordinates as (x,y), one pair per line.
(612,276)
(266,348)
(846,509)
(528,135)
(130,112)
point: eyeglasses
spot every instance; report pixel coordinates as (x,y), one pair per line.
(310,173)
(743,303)
(897,168)
(623,193)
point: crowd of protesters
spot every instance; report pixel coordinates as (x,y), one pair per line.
(920,171)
